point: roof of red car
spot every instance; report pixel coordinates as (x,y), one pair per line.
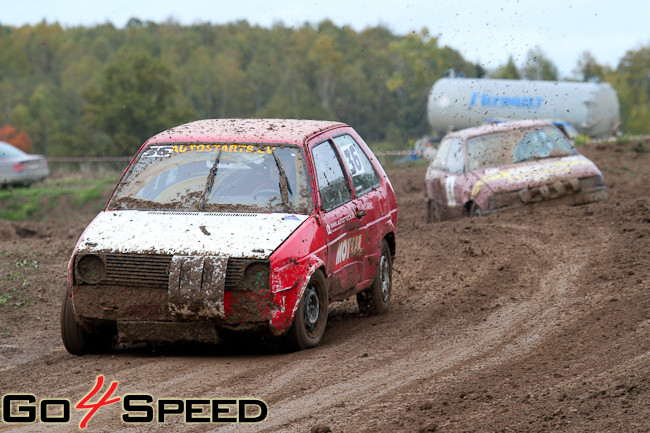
(245,130)
(498,127)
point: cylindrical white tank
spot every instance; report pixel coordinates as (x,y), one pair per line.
(457,103)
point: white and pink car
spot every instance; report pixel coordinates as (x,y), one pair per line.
(489,168)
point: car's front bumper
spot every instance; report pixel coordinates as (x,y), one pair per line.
(162,288)
(570,192)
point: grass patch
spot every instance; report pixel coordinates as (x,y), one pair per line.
(92,193)
(7,300)
(582,140)
(15,281)
(18,204)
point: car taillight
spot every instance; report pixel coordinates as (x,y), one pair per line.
(19,167)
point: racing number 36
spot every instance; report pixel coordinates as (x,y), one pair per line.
(352,158)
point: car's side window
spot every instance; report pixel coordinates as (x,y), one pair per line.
(332,181)
(455,158)
(439,162)
(363,174)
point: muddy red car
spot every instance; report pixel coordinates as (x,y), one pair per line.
(237,224)
(490,168)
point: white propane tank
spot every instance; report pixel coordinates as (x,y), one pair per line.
(457,103)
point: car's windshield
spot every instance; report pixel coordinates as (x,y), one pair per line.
(218,177)
(517,145)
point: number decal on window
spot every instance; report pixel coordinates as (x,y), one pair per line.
(352,159)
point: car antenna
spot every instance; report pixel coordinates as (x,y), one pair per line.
(208,184)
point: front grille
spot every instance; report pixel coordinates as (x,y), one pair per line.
(235,274)
(137,270)
(150,270)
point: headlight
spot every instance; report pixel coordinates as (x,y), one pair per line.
(257,276)
(91,269)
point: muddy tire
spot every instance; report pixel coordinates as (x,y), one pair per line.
(76,339)
(476,211)
(434,211)
(310,321)
(376,298)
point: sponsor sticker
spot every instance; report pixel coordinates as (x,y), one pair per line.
(336,225)
(350,247)
(166,150)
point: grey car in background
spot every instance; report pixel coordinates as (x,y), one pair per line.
(18,168)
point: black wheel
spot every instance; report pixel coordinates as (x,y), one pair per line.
(76,339)
(310,321)
(376,298)
(475,211)
(434,211)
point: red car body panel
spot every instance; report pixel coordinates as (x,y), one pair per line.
(344,243)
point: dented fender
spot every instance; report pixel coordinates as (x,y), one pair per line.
(292,266)
(288,299)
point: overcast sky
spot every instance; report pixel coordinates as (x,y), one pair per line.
(483,31)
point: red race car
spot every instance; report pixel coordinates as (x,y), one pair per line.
(235,224)
(490,168)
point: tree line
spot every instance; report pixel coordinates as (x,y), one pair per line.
(102,90)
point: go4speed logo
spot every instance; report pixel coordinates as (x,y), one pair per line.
(136,408)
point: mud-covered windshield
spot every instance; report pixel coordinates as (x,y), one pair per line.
(517,145)
(216,177)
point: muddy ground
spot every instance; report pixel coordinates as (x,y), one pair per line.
(534,320)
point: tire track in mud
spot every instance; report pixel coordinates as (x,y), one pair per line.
(292,384)
(512,330)
(368,365)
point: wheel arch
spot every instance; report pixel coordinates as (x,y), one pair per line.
(280,324)
(390,240)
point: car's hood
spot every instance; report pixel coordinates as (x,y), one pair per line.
(533,173)
(188,233)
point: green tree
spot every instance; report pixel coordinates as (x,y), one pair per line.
(588,68)
(539,67)
(327,60)
(632,83)
(135,100)
(102,90)
(509,71)
(418,61)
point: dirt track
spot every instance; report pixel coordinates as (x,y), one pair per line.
(534,320)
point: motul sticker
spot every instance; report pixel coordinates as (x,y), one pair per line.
(348,248)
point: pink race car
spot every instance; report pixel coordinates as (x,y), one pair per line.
(485,169)
(237,224)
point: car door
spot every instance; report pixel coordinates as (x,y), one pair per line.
(338,212)
(370,205)
(451,159)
